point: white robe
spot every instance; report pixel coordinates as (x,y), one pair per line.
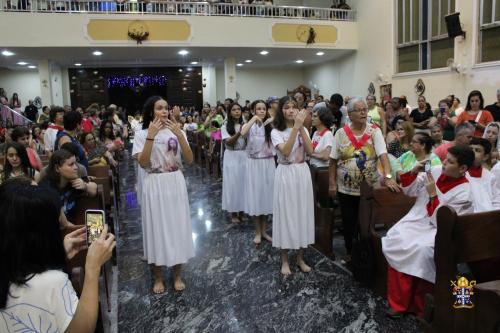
(482,191)
(409,244)
(496,185)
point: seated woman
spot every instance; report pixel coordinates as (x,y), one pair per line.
(409,244)
(35,288)
(96,154)
(107,137)
(62,177)
(491,134)
(17,163)
(420,151)
(437,136)
(398,141)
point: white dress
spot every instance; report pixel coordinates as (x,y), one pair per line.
(481,184)
(260,167)
(47,303)
(320,143)
(165,205)
(293,207)
(409,244)
(233,173)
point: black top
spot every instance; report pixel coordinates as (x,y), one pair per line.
(31,112)
(494,110)
(420,117)
(67,196)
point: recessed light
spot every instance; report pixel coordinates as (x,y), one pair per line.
(189,69)
(300,61)
(194,62)
(239,65)
(78,64)
(183,52)
(32,67)
(7,53)
(320,53)
(248,61)
(180,70)
(264,52)
(97,53)
(22,63)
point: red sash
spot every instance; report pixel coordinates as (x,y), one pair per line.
(358,144)
(57,127)
(315,143)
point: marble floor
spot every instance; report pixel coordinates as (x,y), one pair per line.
(233,286)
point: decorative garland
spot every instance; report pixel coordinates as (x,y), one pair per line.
(134,81)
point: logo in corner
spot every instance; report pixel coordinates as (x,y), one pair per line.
(462,293)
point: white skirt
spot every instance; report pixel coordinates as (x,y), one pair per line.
(166,219)
(233,180)
(293,209)
(259,185)
(141,173)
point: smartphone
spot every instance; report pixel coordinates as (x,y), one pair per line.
(427,166)
(94,221)
(442,110)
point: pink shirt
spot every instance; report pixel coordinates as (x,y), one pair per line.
(442,150)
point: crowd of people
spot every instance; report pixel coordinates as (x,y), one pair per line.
(447,156)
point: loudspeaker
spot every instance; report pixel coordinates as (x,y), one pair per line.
(453,25)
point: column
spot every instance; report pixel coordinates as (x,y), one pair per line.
(66,95)
(209,84)
(44,77)
(56,84)
(230,77)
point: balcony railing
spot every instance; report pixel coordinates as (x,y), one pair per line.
(11,118)
(177,8)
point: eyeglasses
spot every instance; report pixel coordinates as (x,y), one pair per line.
(359,110)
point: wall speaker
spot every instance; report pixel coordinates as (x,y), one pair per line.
(453,25)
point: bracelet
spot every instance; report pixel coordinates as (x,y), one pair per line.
(150,139)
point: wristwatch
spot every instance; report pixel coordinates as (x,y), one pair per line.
(388,176)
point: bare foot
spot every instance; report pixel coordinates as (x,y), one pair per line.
(179,285)
(235,220)
(303,266)
(267,237)
(159,287)
(257,239)
(285,270)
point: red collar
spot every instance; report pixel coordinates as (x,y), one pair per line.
(476,172)
(445,183)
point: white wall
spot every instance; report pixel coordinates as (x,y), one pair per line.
(255,84)
(24,82)
(323,78)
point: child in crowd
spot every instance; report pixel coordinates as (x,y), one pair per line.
(22,135)
(164,204)
(479,177)
(409,244)
(293,202)
(234,166)
(260,166)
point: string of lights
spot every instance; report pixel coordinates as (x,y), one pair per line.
(134,81)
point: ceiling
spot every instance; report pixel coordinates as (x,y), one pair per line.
(144,56)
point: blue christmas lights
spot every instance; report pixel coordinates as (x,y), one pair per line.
(139,80)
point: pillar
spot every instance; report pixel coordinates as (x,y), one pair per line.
(230,77)
(44,77)
(209,84)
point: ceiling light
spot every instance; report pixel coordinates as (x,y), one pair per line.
(239,65)
(22,63)
(190,69)
(7,53)
(194,62)
(180,70)
(300,61)
(78,64)
(97,53)
(264,52)
(320,53)
(248,61)
(183,52)
(32,67)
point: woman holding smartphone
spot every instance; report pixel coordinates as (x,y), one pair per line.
(164,203)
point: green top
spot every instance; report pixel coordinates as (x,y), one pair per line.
(408,160)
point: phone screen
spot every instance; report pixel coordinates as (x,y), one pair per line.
(427,166)
(94,221)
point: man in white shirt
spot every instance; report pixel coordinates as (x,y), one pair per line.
(56,125)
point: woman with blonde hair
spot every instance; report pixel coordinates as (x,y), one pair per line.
(398,141)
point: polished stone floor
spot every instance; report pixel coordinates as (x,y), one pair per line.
(233,286)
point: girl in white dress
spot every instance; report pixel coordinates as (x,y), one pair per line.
(164,203)
(293,208)
(234,165)
(260,166)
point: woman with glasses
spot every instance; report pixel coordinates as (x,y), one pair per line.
(353,158)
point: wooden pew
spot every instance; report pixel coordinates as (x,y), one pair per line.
(472,239)
(324,212)
(379,210)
